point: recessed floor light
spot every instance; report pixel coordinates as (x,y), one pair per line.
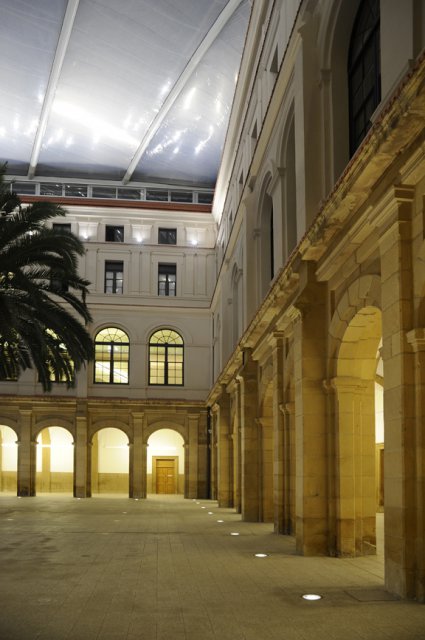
(210,513)
(220,520)
(234,533)
(311,596)
(203,507)
(261,555)
(198,503)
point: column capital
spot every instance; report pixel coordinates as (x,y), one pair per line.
(416,337)
(347,384)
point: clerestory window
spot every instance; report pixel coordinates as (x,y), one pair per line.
(166,358)
(364,71)
(112,350)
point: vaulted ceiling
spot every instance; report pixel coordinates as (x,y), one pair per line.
(119,90)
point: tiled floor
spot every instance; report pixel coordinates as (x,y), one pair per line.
(111,568)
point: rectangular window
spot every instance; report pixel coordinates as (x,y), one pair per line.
(166,279)
(76,190)
(114,233)
(104,192)
(114,271)
(167,236)
(61,226)
(157,195)
(50,189)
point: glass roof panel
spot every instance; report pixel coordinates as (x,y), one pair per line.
(120,63)
(29,33)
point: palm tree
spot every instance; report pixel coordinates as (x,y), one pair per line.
(42,297)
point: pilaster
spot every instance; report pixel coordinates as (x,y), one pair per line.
(138,457)
(82,457)
(26,456)
(250,453)
(310,336)
(394,220)
(416,338)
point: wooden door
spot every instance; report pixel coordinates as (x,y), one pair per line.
(165,475)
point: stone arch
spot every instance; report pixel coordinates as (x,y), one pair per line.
(8,457)
(166,459)
(288,196)
(363,292)
(56,422)
(113,423)
(354,395)
(237,303)
(55,456)
(110,473)
(265,241)
(165,424)
(333,42)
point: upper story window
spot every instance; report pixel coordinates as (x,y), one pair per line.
(166,279)
(167,236)
(166,358)
(364,71)
(114,233)
(59,371)
(61,226)
(112,349)
(114,271)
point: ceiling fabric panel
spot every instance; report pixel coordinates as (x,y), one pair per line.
(121,61)
(29,33)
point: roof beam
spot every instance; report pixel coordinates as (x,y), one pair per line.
(181,83)
(61,49)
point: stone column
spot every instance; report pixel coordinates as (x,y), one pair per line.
(355,467)
(416,338)
(310,339)
(278,433)
(394,224)
(224,451)
(250,455)
(138,453)
(26,456)
(288,523)
(82,457)
(192,456)
(237,446)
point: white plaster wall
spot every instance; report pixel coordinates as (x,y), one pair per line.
(61,450)
(165,442)
(9,450)
(113,451)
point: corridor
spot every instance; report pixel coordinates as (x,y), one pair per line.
(166,568)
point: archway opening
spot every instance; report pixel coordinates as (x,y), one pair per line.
(55,461)
(360,426)
(165,462)
(110,462)
(8,460)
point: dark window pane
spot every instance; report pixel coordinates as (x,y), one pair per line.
(158,195)
(181,196)
(205,198)
(24,188)
(114,233)
(104,192)
(50,189)
(167,236)
(76,190)
(129,194)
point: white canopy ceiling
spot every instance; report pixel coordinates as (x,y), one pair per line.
(121,90)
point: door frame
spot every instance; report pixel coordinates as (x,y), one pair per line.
(175,460)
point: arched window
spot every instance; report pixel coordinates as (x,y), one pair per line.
(166,358)
(364,71)
(111,356)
